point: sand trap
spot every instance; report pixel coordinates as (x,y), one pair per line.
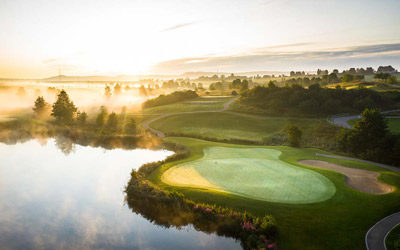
(362,180)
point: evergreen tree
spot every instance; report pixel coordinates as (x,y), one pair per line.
(81,117)
(63,109)
(112,122)
(41,106)
(101,117)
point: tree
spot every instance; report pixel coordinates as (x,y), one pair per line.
(130,127)
(112,122)
(41,106)
(117,89)
(294,135)
(271,85)
(81,117)
(382,76)
(332,78)
(347,78)
(107,91)
(245,85)
(370,139)
(63,109)
(392,80)
(101,117)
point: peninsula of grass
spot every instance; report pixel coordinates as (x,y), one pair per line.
(339,222)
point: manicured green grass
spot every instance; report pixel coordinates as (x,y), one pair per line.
(197,104)
(393,124)
(393,239)
(337,223)
(251,172)
(229,125)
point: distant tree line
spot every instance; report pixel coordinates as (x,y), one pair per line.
(316,101)
(174,97)
(67,114)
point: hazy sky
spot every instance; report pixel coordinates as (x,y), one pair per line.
(37,37)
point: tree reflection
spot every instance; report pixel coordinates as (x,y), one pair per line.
(65,144)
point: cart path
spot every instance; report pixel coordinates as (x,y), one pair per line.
(376,235)
(146,125)
(342,121)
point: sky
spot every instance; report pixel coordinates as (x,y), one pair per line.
(114,37)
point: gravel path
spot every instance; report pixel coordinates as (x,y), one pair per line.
(146,125)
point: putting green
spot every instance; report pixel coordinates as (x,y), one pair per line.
(256,173)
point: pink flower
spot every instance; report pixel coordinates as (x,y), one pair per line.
(272,245)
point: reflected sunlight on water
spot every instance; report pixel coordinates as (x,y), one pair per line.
(49,199)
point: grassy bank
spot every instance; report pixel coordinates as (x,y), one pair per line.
(338,223)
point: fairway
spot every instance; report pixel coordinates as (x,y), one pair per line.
(256,173)
(231,125)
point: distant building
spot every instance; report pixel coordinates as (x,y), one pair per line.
(386,69)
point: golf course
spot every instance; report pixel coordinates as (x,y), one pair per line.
(318,202)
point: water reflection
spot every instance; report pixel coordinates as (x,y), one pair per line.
(53,200)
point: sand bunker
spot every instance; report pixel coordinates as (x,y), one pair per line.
(362,180)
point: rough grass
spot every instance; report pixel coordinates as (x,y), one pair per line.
(251,172)
(337,223)
(393,239)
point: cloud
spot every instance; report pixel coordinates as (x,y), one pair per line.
(178,26)
(273,60)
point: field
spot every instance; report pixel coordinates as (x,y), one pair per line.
(251,172)
(229,125)
(337,223)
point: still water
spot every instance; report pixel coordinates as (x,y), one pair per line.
(52,198)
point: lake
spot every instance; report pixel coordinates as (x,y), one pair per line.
(53,197)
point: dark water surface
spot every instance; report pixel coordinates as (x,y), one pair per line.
(52,198)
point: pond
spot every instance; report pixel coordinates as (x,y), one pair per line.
(53,198)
